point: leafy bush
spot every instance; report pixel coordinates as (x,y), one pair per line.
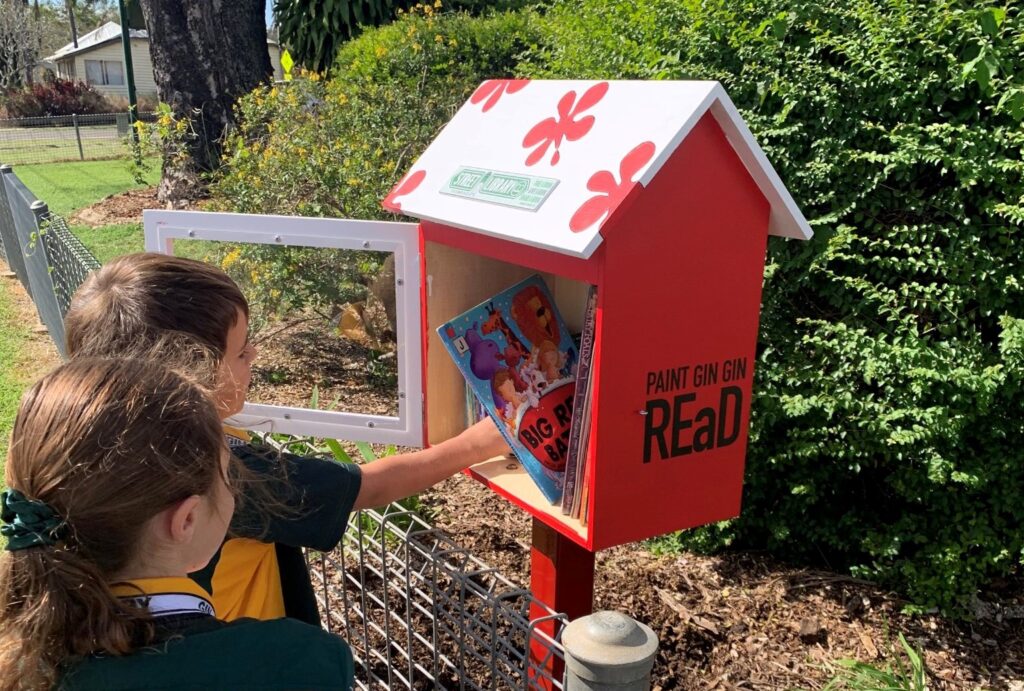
(335,147)
(888,419)
(56,97)
(313,31)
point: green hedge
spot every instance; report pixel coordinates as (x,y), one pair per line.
(887,429)
(336,147)
(887,426)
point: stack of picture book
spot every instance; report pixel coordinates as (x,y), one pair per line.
(574,497)
(524,370)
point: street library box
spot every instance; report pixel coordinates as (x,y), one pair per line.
(657,194)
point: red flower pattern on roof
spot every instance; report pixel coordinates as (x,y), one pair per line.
(494,89)
(405,186)
(551,131)
(610,192)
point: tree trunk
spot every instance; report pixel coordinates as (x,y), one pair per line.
(70,5)
(206,54)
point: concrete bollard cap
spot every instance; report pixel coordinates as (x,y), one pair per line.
(609,647)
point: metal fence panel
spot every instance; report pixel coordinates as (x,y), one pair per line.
(28,213)
(70,261)
(12,246)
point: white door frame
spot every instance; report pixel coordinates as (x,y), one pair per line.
(162,228)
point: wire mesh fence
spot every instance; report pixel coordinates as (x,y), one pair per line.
(57,138)
(422,612)
(69,260)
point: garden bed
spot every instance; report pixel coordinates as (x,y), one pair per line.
(745,621)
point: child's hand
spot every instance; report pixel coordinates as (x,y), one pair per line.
(485,441)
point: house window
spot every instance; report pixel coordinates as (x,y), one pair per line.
(104,72)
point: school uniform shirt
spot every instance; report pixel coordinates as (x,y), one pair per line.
(195,650)
(260,572)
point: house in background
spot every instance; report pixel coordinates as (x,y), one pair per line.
(99,61)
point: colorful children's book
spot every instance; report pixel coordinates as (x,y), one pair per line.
(577,445)
(518,356)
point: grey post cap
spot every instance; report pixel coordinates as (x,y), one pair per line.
(609,647)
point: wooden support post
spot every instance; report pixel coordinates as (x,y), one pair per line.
(562,577)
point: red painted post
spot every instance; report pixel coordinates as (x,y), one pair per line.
(562,577)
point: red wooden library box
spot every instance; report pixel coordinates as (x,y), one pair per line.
(656,193)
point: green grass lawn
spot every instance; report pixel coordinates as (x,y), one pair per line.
(68,187)
(24,356)
(108,242)
(47,144)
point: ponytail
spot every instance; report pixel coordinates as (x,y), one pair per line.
(56,606)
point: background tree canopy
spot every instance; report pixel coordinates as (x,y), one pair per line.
(888,413)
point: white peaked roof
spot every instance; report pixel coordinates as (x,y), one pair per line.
(107,32)
(545,163)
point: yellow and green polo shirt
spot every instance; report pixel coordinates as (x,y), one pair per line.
(260,571)
(193,649)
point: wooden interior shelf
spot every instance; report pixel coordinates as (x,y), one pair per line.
(508,478)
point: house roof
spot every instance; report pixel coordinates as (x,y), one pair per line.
(546,163)
(110,31)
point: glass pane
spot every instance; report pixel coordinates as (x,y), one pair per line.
(93,72)
(115,75)
(323,321)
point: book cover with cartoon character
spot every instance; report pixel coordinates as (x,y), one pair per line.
(518,356)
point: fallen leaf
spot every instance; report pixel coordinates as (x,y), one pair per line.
(869,645)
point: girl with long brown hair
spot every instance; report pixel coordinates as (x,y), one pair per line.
(117,488)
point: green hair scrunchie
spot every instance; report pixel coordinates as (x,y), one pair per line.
(27,522)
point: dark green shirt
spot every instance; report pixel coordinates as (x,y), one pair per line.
(200,652)
(316,496)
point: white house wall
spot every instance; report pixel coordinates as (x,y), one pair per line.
(145,84)
(114,52)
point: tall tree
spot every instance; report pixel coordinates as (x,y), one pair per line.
(206,53)
(70,7)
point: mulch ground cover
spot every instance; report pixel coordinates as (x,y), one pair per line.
(125,207)
(747,621)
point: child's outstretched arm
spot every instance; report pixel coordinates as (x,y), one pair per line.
(396,477)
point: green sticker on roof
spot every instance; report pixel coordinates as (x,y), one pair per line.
(496,187)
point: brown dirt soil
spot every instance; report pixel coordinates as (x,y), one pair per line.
(744,620)
(124,207)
